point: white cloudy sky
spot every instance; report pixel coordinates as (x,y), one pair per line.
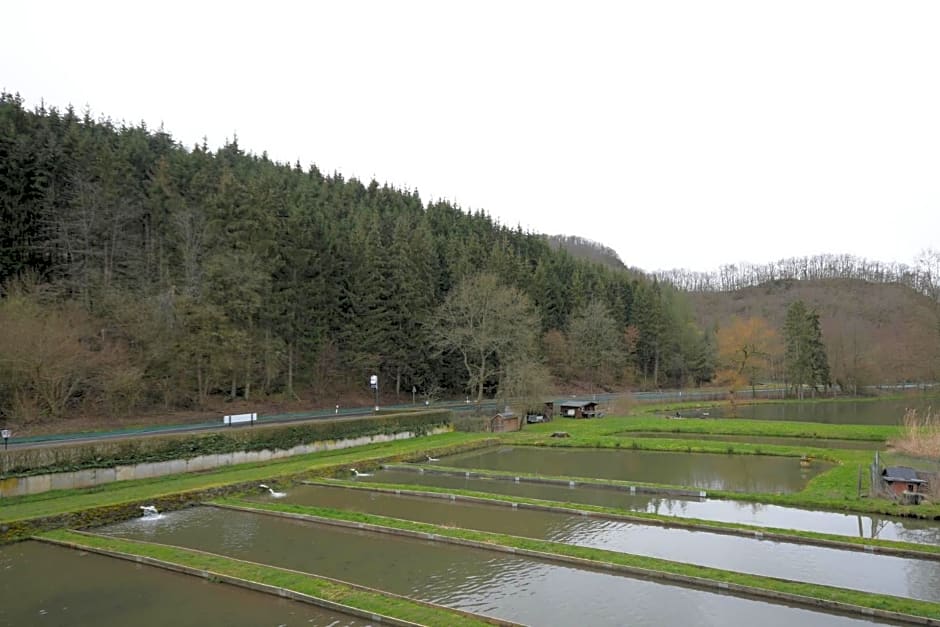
(680,133)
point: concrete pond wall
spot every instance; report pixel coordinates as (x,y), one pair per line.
(35,484)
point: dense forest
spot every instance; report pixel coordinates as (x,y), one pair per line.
(138,273)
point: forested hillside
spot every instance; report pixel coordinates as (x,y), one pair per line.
(874,332)
(582,248)
(138,273)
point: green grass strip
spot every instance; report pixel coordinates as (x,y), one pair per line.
(701,524)
(327,589)
(602,557)
(613,425)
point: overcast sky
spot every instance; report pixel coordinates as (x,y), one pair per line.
(681,134)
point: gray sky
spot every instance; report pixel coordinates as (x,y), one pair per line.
(681,134)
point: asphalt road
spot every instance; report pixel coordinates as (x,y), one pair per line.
(334,414)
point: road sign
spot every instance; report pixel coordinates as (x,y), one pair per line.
(5,434)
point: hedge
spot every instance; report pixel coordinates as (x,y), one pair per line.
(111,453)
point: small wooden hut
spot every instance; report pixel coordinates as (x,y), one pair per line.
(579,409)
(505,421)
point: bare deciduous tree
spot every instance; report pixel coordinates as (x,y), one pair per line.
(489,324)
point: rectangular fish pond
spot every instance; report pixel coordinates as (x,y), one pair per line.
(848,412)
(857,525)
(523,589)
(882,574)
(706,471)
(42,584)
(863,445)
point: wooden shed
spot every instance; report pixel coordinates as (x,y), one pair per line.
(579,409)
(505,421)
(901,479)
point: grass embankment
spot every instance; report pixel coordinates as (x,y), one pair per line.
(716,526)
(192,485)
(601,558)
(322,588)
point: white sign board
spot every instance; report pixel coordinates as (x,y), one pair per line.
(374,381)
(5,434)
(235,419)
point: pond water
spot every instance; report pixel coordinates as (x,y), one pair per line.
(708,471)
(919,579)
(888,412)
(863,526)
(47,585)
(511,587)
(865,445)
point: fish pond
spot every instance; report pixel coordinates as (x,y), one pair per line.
(47,585)
(913,578)
(858,412)
(522,589)
(864,445)
(857,525)
(707,471)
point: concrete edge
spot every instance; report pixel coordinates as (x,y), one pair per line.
(755,533)
(710,585)
(278,590)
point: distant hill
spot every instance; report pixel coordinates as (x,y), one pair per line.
(888,332)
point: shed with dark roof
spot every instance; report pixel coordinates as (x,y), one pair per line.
(901,479)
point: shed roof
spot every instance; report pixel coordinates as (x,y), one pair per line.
(901,473)
(577,403)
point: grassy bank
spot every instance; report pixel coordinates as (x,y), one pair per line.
(322,588)
(602,557)
(622,426)
(196,486)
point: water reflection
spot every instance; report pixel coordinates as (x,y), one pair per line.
(884,527)
(514,588)
(888,412)
(862,571)
(758,439)
(53,586)
(709,471)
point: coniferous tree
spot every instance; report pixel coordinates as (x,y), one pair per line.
(805,358)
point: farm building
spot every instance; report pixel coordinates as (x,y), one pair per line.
(579,409)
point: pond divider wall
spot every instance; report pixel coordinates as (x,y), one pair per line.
(701,583)
(35,484)
(278,590)
(757,534)
(632,489)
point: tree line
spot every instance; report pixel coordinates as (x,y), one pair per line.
(139,273)
(923,277)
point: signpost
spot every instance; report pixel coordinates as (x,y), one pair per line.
(374,384)
(5,434)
